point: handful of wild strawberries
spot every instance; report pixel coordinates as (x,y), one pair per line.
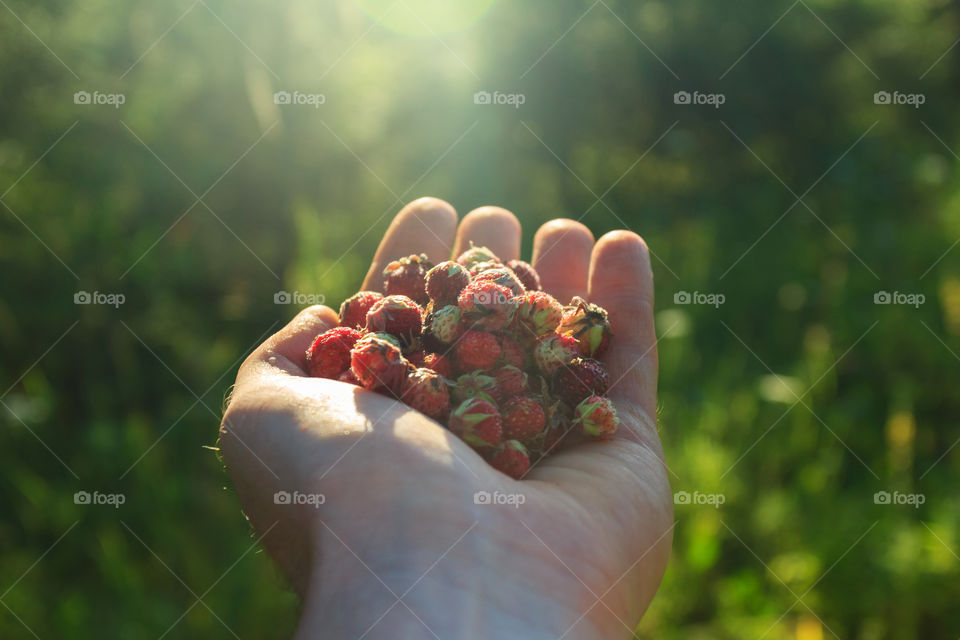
(477,345)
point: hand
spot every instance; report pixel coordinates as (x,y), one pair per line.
(399,548)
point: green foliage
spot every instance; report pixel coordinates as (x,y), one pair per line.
(199,198)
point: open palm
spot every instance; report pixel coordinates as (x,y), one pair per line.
(383,536)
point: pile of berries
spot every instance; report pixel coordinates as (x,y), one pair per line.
(478,346)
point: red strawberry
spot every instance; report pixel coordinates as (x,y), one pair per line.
(477,350)
(503,277)
(526,274)
(445,282)
(511,458)
(588,323)
(510,382)
(554,350)
(581,378)
(486,305)
(349,377)
(439,363)
(353,311)
(476,254)
(511,352)
(425,391)
(378,364)
(596,417)
(477,422)
(406,277)
(397,315)
(329,355)
(538,313)
(523,418)
(416,358)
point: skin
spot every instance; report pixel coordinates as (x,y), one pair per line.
(399,547)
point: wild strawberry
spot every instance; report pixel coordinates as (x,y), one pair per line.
(477,422)
(523,418)
(511,352)
(416,358)
(558,424)
(406,277)
(480,267)
(445,282)
(476,254)
(353,311)
(380,335)
(588,323)
(378,364)
(510,382)
(439,363)
(511,458)
(503,277)
(596,417)
(398,316)
(329,355)
(444,324)
(477,350)
(475,385)
(349,377)
(554,350)
(538,313)
(425,391)
(581,378)
(526,274)
(486,305)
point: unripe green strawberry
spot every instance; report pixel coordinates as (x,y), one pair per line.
(554,350)
(476,254)
(596,417)
(445,324)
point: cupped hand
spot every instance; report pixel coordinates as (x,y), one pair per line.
(387,532)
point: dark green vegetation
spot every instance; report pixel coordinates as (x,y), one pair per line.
(129,396)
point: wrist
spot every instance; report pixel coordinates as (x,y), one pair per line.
(376,594)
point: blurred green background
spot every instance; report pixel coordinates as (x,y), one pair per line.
(199,198)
